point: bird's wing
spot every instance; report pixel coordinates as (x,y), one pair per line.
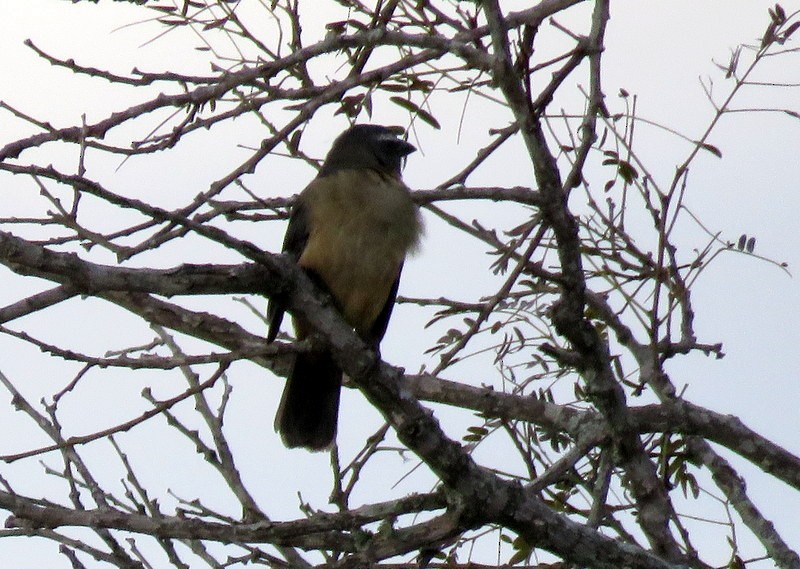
(293,244)
(378,329)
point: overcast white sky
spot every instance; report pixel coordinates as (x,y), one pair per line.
(657,50)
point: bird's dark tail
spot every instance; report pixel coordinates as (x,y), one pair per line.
(309,407)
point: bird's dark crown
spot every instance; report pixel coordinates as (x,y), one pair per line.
(367,146)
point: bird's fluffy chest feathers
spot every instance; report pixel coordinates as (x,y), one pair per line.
(360,227)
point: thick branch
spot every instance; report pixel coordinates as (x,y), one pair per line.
(568,316)
(85,277)
(321,531)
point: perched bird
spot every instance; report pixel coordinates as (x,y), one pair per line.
(350,230)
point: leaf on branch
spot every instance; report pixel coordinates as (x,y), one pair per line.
(712,149)
(422,85)
(778,15)
(470,85)
(368,104)
(173,21)
(790,30)
(359,26)
(294,141)
(627,171)
(351,105)
(412,107)
(337,27)
(769,35)
(520,229)
(522,551)
(393,87)
(475,435)
(742,241)
(688,484)
(603,138)
(216,24)
(733,64)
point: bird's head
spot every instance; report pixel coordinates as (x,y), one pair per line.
(368,146)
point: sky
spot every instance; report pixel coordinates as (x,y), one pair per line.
(659,51)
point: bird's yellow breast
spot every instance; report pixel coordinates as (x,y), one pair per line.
(361,225)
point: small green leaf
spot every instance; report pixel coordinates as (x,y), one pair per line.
(627,172)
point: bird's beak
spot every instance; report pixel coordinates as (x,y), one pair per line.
(405,148)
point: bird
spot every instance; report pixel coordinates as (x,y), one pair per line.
(350,230)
